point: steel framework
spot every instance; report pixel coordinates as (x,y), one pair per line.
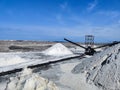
(89,40)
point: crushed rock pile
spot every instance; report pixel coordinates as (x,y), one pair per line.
(58,50)
(30,81)
(103,69)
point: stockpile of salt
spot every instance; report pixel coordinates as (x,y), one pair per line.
(27,80)
(103,69)
(58,50)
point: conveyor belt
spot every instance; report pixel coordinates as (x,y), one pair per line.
(37,65)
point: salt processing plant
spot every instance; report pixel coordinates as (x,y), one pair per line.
(31,69)
(59,44)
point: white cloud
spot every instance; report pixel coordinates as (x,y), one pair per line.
(59,18)
(110,32)
(112,14)
(92,5)
(118,21)
(64,5)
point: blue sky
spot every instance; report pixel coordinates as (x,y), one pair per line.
(55,19)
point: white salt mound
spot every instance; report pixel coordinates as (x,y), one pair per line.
(10,59)
(58,50)
(103,69)
(30,81)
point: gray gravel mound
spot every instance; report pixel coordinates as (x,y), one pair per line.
(103,69)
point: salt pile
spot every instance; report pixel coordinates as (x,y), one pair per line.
(9,59)
(58,50)
(30,81)
(103,69)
